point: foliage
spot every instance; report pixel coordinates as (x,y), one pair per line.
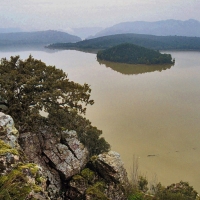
(137,189)
(142,184)
(16,185)
(5,148)
(88,174)
(136,196)
(133,54)
(178,191)
(92,186)
(148,41)
(30,87)
(96,191)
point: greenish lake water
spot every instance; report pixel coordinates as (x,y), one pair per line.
(142,110)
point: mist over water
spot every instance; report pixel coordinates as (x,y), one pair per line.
(153,114)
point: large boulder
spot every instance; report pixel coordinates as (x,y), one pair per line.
(110,167)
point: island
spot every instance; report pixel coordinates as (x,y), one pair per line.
(134,54)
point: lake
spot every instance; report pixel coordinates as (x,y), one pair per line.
(152,114)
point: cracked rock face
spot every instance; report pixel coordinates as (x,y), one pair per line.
(61,156)
(110,167)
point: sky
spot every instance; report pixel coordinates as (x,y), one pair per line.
(67,14)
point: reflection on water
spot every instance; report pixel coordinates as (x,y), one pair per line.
(129,69)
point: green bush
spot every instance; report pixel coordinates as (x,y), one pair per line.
(178,191)
(96,191)
(137,196)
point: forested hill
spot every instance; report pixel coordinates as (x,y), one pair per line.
(39,37)
(133,54)
(148,41)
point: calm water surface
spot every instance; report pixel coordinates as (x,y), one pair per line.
(142,111)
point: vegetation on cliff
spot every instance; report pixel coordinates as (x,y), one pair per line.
(133,54)
(21,181)
(178,191)
(29,88)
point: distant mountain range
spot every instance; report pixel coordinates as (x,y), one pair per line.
(36,38)
(85,32)
(161,28)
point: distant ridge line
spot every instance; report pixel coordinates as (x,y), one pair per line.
(168,27)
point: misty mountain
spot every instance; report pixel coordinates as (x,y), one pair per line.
(148,41)
(161,28)
(39,37)
(10,30)
(86,32)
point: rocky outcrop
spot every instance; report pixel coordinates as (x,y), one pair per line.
(18,178)
(60,155)
(49,165)
(104,178)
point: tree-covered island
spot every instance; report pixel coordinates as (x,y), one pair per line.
(134,54)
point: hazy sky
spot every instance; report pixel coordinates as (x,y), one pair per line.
(65,14)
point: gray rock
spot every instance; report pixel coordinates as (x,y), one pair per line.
(111,168)
(60,155)
(8,132)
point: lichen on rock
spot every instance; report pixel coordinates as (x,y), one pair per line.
(8,132)
(19,179)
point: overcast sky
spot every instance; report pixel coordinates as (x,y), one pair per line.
(66,14)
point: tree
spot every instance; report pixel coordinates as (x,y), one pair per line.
(28,87)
